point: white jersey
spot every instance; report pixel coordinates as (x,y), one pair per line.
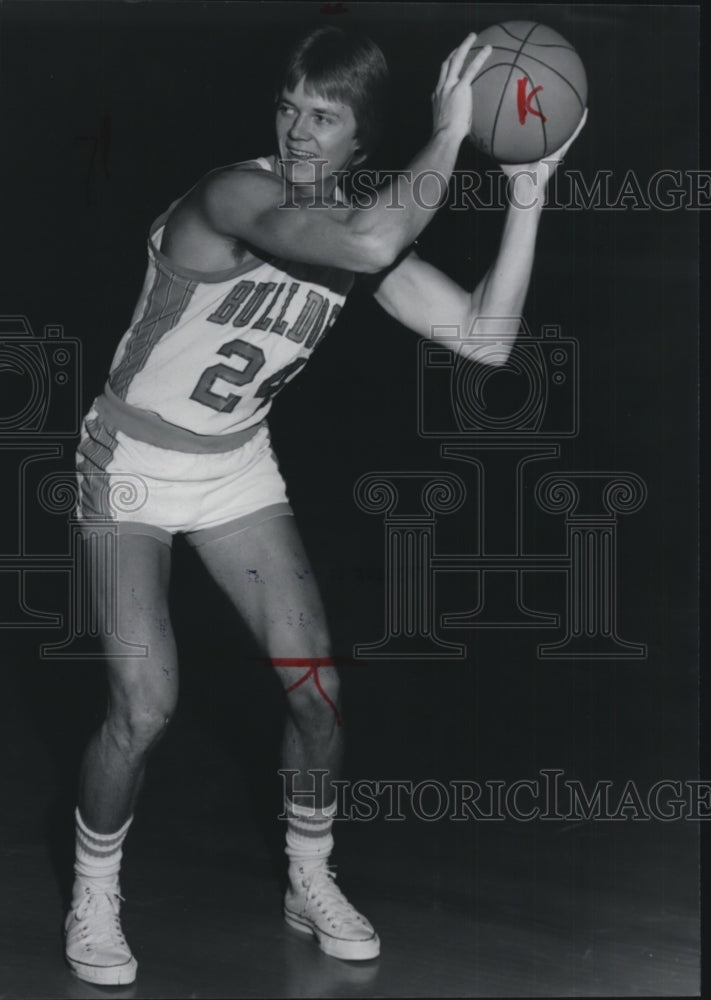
(207,352)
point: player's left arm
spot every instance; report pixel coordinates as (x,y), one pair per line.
(421,297)
(487,319)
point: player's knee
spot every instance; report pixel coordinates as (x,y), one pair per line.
(315,704)
(139,727)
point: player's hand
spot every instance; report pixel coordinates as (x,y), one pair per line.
(452,98)
(530,180)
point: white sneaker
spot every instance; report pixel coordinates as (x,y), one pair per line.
(315,905)
(96,949)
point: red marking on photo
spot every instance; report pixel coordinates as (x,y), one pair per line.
(524,101)
(312,664)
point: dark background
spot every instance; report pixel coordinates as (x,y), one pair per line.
(184,87)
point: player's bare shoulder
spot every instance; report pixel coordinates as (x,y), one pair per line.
(231,198)
(206,227)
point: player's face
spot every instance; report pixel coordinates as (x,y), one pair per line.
(309,127)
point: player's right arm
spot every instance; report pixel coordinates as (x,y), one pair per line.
(251,205)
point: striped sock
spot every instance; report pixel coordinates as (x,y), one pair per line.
(98,854)
(309,840)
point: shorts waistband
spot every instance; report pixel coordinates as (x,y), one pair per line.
(151,428)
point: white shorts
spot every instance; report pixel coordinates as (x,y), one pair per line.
(146,489)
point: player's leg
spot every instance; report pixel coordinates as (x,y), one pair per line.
(264,570)
(142,690)
(142,693)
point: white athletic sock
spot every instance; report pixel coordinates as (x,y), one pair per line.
(309,840)
(98,855)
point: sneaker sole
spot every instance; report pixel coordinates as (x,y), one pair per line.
(353,951)
(111,975)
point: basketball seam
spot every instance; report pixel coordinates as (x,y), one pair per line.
(503,91)
(535,59)
(488,68)
(557,73)
(542,117)
(543,45)
(509,33)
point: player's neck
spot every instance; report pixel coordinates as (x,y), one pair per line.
(322,189)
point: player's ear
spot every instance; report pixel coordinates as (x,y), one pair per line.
(359,156)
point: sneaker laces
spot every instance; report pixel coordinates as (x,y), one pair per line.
(103,905)
(321,888)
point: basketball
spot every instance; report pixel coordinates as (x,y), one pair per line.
(530,93)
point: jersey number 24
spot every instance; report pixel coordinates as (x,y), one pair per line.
(204,390)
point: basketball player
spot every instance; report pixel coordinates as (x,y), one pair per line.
(246,274)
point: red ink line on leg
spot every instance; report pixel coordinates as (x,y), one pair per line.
(325,697)
(313,665)
(300,680)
